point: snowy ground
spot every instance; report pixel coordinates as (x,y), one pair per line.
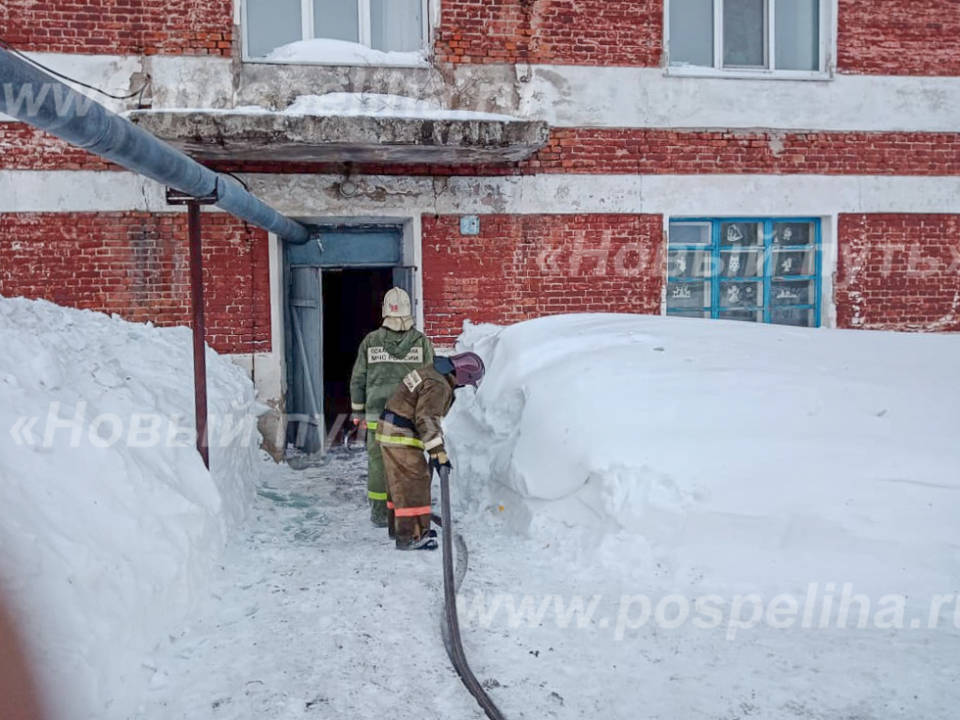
(314,615)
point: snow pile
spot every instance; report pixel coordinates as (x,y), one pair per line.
(734,455)
(380,105)
(343,52)
(110,524)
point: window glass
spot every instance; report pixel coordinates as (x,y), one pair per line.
(745,315)
(793,262)
(741,263)
(684,295)
(690,234)
(792,292)
(744,32)
(690,263)
(691,32)
(270,24)
(793,233)
(741,294)
(793,316)
(336,20)
(740,233)
(690,313)
(396,24)
(760,270)
(798,35)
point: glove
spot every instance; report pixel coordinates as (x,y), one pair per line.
(358,425)
(439,460)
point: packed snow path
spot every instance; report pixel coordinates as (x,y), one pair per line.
(314,615)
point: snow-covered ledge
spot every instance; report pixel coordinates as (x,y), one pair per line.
(347,127)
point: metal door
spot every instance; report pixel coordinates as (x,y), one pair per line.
(403,278)
(305,428)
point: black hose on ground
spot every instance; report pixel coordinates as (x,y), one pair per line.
(450,625)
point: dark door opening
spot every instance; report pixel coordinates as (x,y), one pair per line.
(352,301)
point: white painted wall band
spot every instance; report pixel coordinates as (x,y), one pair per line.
(572,96)
(311,196)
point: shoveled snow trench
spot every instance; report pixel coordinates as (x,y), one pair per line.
(313,614)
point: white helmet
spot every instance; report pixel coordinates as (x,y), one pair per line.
(397,313)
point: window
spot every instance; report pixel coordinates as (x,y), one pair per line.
(759,270)
(389,25)
(746,35)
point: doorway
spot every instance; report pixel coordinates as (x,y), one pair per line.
(352,300)
(335,288)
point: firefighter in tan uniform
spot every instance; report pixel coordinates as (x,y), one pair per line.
(410,425)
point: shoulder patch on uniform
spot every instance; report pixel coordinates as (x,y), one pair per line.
(380,355)
(412,380)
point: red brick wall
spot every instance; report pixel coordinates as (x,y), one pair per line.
(920,37)
(899,37)
(23,147)
(119,27)
(701,152)
(562,32)
(136,264)
(525,266)
(657,151)
(899,272)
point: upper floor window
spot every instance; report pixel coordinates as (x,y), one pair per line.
(747,35)
(388,25)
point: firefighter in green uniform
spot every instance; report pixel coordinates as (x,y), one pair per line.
(385,357)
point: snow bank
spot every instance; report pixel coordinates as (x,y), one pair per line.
(720,453)
(342,52)
(108,538)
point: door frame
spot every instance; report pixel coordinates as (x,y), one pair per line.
(407,258)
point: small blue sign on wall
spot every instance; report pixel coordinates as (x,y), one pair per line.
(469,225)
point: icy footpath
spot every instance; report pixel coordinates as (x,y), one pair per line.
(313,614)
(107,544)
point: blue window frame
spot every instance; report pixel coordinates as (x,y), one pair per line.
(754,269)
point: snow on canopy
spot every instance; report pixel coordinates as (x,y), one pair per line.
(107,545)
(382,105)
(744,455)
(344,104)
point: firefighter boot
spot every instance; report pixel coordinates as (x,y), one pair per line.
(378,513)
(427,541)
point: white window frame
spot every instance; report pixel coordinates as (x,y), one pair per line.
(307,31)
(828,41)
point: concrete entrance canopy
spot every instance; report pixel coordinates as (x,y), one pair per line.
(277,137)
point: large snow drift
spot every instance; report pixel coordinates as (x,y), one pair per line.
(107,534)
(723,454)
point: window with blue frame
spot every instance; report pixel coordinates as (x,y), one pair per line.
(755,269)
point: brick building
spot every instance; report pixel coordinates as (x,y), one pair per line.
(790,162)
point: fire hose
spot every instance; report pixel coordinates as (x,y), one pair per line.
(452,579)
